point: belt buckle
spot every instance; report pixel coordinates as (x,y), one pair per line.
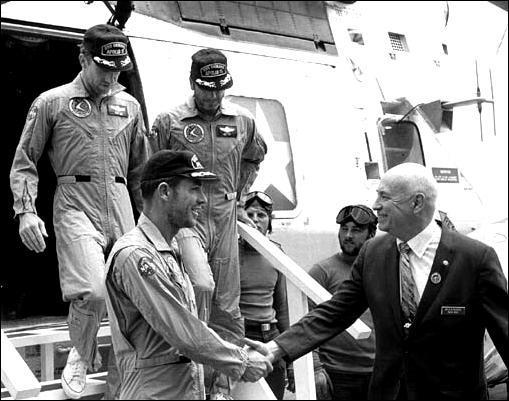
(265,326)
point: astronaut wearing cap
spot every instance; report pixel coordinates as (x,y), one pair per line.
(95,137)
(225,138)
(158,339)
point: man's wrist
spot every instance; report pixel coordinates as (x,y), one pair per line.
(275,351)
(244,356)
(22,215)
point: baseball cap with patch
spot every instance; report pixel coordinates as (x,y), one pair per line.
(171,163)
(108,47)
(210,70)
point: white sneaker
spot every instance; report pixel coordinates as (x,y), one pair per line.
(74,375)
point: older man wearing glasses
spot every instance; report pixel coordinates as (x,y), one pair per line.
(432,293)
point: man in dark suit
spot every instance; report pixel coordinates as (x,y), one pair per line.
(459,290)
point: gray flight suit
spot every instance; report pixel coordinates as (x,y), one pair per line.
(230,146)
(95,150)
(159,341)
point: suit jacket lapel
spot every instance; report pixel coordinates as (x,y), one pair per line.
(391,266)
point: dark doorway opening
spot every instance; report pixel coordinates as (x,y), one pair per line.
(31,65)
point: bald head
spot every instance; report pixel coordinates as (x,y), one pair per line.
(412,178)
(406,200)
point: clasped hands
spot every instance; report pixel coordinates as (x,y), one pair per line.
(260,361)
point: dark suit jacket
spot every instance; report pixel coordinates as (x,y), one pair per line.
(442,355)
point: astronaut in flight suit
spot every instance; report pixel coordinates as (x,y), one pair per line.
(159,341)
(225,138)
(95,138)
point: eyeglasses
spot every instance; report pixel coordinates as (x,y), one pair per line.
(359,213)
(261,196)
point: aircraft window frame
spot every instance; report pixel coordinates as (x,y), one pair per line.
(274,116)
(399,152)
(398,42)
(356,36)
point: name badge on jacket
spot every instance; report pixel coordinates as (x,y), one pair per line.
(452,311)
(226,131)
(117,110)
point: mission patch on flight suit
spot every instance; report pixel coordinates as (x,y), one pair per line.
(226,131)
(146,266)
(80,107)
(194,133)
(32,113)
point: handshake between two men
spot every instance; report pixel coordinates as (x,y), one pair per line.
(261,356)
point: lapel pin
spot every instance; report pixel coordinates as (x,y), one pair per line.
(436,278)
(445,263)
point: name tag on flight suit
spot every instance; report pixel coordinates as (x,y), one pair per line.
(226,131)
(117,110)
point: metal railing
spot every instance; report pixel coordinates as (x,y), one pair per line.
(300,286)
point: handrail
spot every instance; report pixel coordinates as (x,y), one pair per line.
(300,286)
(16,375)
(295,274)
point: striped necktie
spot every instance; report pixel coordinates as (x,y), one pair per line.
(408,287)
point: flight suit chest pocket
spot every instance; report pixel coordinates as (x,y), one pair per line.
(116,119)
(228,137)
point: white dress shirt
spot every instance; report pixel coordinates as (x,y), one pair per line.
(423,249)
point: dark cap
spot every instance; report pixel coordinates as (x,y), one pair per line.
(170,163)
(108,47)
(209,70)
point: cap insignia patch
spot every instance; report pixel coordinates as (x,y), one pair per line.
(196,163)
(125,61)
(213,70)
(114,49)
(225,80)
(104,62)
(206,83)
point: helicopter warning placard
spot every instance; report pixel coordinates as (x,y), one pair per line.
(443,174)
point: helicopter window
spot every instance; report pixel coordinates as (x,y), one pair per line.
(401,143)
(356,36)
(398,42)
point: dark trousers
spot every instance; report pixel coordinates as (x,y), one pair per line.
(349,386)
(277,378)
